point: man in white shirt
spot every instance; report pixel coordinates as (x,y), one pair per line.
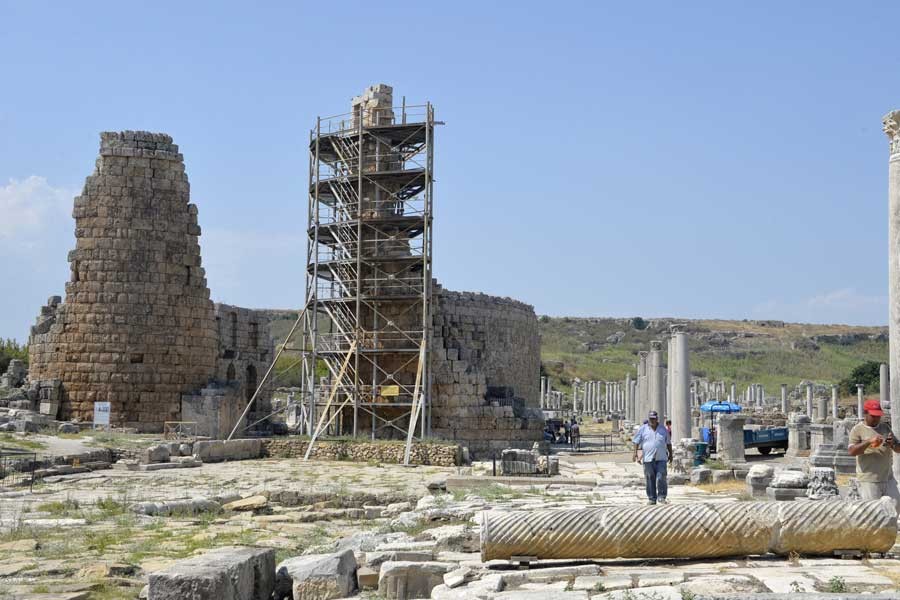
(655,446)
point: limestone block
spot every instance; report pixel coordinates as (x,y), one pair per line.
(317,576)
(250,503)
(155,454)
(242,449)
(377,557)
(701,475)
(403,580)
(67,428)
(458,577)
(785,494)
(367,578)
(209,451)
(229,573)
(790,479)
(758,479)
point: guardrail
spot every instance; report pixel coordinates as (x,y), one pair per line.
(17,469)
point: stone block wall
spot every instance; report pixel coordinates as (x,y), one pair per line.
(245,351)
(485,371)
(431,453)
(136,328)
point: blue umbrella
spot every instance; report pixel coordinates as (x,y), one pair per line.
(720,407)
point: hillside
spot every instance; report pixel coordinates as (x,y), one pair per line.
(766,352)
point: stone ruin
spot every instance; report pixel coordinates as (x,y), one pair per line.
(485,364)
(137,328)
(15,375)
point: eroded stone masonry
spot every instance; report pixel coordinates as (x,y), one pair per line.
(137,328)
(486,363)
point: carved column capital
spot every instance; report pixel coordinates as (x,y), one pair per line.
(891,127)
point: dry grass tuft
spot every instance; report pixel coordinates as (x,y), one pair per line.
(732,486)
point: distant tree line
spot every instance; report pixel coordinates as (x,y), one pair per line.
(868,374)
(10,349)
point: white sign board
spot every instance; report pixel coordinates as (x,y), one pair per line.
(101,414)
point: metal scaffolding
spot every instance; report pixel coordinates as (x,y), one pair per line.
(367,324)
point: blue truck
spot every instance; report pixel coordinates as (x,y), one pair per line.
(764,440)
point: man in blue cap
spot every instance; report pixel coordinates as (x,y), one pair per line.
(656,449)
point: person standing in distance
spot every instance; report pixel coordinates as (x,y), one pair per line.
(655,446)
(872,443)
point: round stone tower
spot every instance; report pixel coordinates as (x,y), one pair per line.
(137,327)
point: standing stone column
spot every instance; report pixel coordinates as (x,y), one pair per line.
(891,123)
(543,390)
(809,400)
(821,408)
(834,402)
(732,397)
(784,400)
(643,369)
(681,388)
(859,401)
(656,388)
(670,373)
(884,385)
(629,399)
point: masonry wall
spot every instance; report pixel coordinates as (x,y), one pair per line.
(136,328)
(244,353)
(485,371)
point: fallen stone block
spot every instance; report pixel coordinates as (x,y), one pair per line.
(317,576)
(155,454)
(250,503)
(376,558)
(790,479)
(457,577)
(67,428)
(701,475)
(785,494)
(402,580)
(373,512)
(367,578)
(25,426)
(242,449)
(229,573)
(209,451)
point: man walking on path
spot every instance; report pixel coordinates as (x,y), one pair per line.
(872,443)
(655,446)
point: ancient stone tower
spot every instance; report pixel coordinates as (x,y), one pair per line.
(137,327)
(369,270)
(375,318)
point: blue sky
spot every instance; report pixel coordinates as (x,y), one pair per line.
(700,159)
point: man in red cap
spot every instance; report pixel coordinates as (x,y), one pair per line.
(872,442)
